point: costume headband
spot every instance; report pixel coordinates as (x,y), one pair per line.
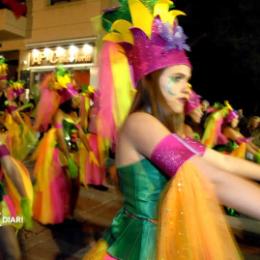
(232,114)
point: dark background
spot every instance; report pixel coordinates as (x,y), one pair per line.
(224,37)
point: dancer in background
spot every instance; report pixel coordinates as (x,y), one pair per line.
(20,139)
(16,198)
(193,112)
(96,171)
(56,168)
(221,133)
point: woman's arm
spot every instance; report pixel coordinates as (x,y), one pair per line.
(144,136)
(232,134)
(236,136)
(83,137)
(149,138)
(60,133)
(232,164)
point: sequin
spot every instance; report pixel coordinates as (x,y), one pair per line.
(165,48)
(173,151)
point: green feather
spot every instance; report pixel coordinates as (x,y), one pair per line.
(122,12)
(27,212)
(73,168)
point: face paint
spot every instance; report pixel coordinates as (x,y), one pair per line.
(169,86)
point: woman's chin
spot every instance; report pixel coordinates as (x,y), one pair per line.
(178,109)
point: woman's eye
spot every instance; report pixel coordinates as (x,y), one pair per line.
(175,78)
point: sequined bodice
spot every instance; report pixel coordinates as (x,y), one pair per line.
(141,184)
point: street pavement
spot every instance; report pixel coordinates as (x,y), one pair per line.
(71,239)
(94,212)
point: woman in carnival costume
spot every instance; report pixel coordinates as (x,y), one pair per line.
(56,172)
(95,169)
(193,112)
(221,133)
(20,136)
(153,162)
(91,171)
(16,198)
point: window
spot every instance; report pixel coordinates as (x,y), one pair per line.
(53,2)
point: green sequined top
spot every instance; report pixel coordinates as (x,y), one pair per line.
(132,235)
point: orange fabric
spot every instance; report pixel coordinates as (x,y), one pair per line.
(192,224)
(98,252)
(240,151)
(82,77)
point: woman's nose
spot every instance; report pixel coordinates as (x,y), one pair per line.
(187,89)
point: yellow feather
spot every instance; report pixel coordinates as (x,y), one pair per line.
(118,37)
(173,14)
(141,16)
(113,37)
(122,26)
(162,9)
(123,95)
(228,105)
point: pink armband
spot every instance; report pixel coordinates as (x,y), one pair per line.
(243,140)
(58,126)
(173,151)
(3,151)
(11,109)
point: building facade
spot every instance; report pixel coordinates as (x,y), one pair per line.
(53,32)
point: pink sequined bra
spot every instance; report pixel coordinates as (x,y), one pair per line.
(172,151)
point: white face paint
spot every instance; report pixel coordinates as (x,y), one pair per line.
(173,83)
(169,84)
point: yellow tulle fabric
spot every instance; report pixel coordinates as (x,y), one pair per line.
(14,194)
(123,96)
(43,173)
(240,151)
(82,158)
(20,137)
(26,181)
(192,225)
(98,252)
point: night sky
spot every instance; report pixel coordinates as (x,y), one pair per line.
(225,40)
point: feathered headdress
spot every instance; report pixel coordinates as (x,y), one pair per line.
(86,97)
(56,88)
(214,123)
(64,84)
(143,37)
(15,89)
(232,114)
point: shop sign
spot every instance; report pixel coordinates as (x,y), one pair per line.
(72,54)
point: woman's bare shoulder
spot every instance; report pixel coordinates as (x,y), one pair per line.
(143,131)
(142,121)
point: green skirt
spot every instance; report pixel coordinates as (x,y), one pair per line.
(131,237)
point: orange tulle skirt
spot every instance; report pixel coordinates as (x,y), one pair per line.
(192,224)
